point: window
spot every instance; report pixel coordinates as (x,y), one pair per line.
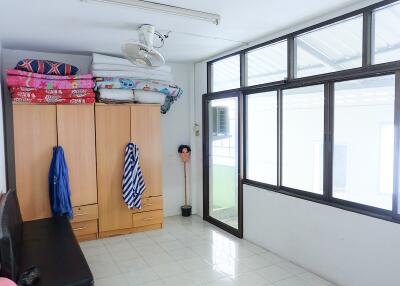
(303,138)
(332,48)
(262,137)
(364,122)
(386,35)
(220,121)
(226,74)
(267,64)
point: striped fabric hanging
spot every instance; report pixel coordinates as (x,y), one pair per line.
(132,183)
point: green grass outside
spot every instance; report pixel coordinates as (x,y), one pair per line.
(224,184)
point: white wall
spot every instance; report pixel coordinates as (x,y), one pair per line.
(175,124)
(346,248)
(2,155)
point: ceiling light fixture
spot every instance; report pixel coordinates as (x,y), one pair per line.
(163,8)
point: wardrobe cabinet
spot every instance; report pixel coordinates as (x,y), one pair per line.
(112,135)
(94,138)
(146,133)
(76,134)
(37,129)
(116,126)
(35,134)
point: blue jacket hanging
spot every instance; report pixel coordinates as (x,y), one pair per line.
(132,183)
(60,195)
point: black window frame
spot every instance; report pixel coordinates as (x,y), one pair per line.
(367,70)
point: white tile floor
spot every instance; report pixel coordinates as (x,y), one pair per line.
(189,251)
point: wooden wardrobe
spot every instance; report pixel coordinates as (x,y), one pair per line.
(37,129)
(94,138)
(116,126)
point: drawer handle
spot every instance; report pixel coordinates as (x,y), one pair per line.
(79,228)
(82,214)
(149,218)
(148,205)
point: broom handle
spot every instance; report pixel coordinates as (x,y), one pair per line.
(184,171)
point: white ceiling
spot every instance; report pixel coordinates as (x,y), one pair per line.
(82,27)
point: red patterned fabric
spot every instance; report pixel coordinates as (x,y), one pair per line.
(37,92)
(55,100)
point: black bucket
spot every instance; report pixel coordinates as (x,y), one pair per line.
(186,210)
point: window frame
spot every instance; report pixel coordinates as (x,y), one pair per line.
(367,70)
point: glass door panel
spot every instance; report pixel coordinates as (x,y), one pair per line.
(223,160)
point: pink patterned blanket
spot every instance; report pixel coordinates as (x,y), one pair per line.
(48,83)
(45,76)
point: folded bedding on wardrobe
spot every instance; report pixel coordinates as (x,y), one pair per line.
(42,83)
(55,100)
(118,95)
(133,74)
(128,95)
(146,85)
(40,93)
(46,67)
(139,96)
(103,59)
(14,72)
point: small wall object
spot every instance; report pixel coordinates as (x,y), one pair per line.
(184,152)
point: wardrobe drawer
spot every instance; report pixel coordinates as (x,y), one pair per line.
(85,213)
(147,218)
(150,204)
(84,227)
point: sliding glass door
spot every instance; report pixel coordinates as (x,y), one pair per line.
(222,191)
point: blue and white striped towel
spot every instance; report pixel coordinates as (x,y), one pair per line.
(132,183)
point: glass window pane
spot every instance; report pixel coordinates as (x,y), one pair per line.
(226,74)
(332,48)
(386,35)
(267,64)
(303,138)
(223,160)
(262,137)
(364,127)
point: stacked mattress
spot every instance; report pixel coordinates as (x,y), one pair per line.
(41,81)
(119,80)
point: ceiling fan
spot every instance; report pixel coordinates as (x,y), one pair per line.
(143,52)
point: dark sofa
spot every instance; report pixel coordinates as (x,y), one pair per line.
(49,244)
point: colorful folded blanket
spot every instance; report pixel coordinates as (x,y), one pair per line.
(48,83)
(55,100)
(45,76)
(40,93)
(147,85)
(140,96)
(46,67)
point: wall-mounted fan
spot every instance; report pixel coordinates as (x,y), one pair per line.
(143,53)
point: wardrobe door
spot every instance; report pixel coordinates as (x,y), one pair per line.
(112,136)
(35,135)
(145,132)
(76,134)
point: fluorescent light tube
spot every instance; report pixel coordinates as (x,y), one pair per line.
(163,8)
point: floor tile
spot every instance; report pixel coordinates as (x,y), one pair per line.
(118,280)
(104,270)
(292,268)
(274,273)
(190,252)
(139,277)
(314,280)
(293,281)
(131,264)
(251,278)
